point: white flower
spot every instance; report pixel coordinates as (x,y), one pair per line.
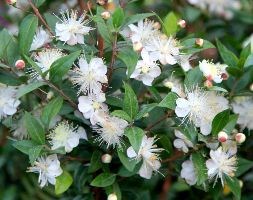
(91,105)
(146,69)
(182,142)
(8,100)
(19,130)
(244,107)
(48,168)
(164,49)
(188,172)
(45,59)
(148,152)
(175,85)
(90,76)
(40,38)
(142,32)
(201,107)
(216,72)
(184,61)
(221,163)
(71,29)
(219,7)
(67,136)
(110,130)
(230,146)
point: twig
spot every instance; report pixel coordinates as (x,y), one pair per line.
(100,46)
(114,53)
(37,13)
(73,104)
(159,121)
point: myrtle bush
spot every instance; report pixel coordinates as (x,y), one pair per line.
(126,99)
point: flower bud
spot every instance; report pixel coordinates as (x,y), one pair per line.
(240,138)
(112,197)
(182,23)
(222,136)
(251,87)
(50,95)
(102,2)
(208,84)
(11,2)
(20,64)
(106,158)
(137,46)
(241,183)
(106,15)
(156,25)
(199,42)
(168,84)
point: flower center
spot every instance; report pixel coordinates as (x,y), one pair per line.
(96,105)
(144,69)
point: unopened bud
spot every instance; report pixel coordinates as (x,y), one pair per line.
(156,25)
(106,158)
(137,46)
(112,197)
(251,87)
(208,84)
(20,64)
(241,183)
(168,84)
(11,1)
(102,2)
(182,23)
(240,138)
(50,95)
(199,42)
(106,15)
(222,136)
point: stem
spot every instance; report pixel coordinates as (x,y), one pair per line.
(37,13)
(114,53)
(159,121)
(72,103)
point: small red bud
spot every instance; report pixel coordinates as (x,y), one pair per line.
(20,64)
(222,136)
(240,138)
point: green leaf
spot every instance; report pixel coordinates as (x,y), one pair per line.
(118,17)
(228,56)
(135,135)
(136,18)
(95,162)
(9,48)
(38,3)
(103,180)
(130,58)
(34,66)
(243,165)
(169,101)
(24,145)
(189,46)
(249,61)
(170,24)
(193,77)
(63,182)
(114,101)
(220,121)
(234,185)
(51,110)
(145,109)
(61,66)
(35,130)
(216,88)
(234,71)
(231,123)
(103,29)
(200,167)
(34,153)
(25,89)
(114,189)
(121,114)
(130,105)
(128,163)
(26,33)
(243,56)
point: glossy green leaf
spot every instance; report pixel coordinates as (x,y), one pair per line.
(63,182)
(95,162)
(135,135)
(220,121)
(25,89)
(104,180)
(169,101)
(130,105)
(170,24)
(200,167)
(121,114)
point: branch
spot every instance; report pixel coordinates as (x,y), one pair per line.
(114,53)
(73,104)
(37,13)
